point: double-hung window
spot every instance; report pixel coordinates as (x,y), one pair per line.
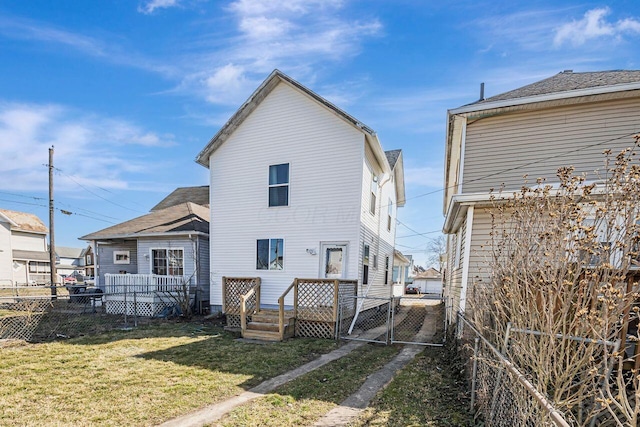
(279,185)
(389,214)
(374,192)
(270,254)
(168,262)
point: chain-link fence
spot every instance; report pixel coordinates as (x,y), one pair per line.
(34,313)
(501,395)
(408,320)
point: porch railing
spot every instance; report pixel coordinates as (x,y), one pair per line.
(249,304)
(315,305)
(232,289)
(143,283)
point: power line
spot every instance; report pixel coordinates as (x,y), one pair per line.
(419,234)
(62,211)
(97,195)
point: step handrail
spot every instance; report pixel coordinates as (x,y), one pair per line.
(281,326)
(255,290)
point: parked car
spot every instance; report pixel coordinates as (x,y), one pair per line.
(70,280)
(411,289)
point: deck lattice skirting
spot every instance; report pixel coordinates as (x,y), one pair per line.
(232,289)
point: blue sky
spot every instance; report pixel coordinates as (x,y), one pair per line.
(130,91)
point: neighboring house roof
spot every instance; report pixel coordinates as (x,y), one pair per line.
(179,219)
(64,252)
(567,81)
(431,273)
(400,256)
(392,157)
(566,84)
(198,195)
(275,78)
(31,255)
(23,221)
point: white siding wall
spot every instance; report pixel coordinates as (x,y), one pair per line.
(325,155)
(374,228)
(28,242)
(6,257)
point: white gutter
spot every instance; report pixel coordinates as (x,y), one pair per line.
(546,97)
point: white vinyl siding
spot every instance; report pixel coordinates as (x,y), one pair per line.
(28,241)
(572,135)
(6,257)
(325,155)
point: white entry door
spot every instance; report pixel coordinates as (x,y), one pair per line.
(334,261)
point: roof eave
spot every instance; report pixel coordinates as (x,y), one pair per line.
(490,105)
(256,97)
(90,237)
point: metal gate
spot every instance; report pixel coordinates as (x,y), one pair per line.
(405,320)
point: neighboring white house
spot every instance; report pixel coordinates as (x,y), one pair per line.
(300,189)
(24,258)
(70,261)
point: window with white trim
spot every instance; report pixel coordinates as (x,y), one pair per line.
(374,192)
(167,262)
(121,257)
(389,214)
(279,185)
(270,254)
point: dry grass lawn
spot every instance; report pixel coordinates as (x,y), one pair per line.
(139,377)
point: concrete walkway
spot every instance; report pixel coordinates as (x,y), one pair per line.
(348,410)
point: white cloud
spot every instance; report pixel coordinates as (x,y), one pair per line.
(87,147)
(594,25)
(109,51)
(150,6)
(296,36)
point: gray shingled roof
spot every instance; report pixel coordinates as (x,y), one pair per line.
(392,157)
(65,252)
(568,80)
(25,221)
(197,195)
(30,255)
(186,217)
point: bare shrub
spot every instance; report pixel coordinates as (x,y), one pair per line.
(560,274)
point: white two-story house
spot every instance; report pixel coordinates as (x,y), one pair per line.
(300,189)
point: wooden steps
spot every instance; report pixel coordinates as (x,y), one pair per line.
(265,325)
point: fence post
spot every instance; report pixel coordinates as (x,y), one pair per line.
(135,310)
(389,326)
(474,373)
(336,291)
(125,307)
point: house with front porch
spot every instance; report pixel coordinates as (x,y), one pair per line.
(300,189)
(156,256)
(24,255)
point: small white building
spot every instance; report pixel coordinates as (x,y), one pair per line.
(429,282)
(300,189)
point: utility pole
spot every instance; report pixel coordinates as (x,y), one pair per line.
(52,246)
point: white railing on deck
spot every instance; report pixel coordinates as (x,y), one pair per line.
(143,283)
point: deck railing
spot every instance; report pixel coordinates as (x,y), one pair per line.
(315,305)
(143,283)
(249,304)
(232,289)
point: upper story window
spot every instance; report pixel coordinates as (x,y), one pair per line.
(389,214)
(374,192)
(270,254)
(279,185)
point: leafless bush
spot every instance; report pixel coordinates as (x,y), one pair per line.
(561,265)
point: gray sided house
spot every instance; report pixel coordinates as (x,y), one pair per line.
(157,252)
